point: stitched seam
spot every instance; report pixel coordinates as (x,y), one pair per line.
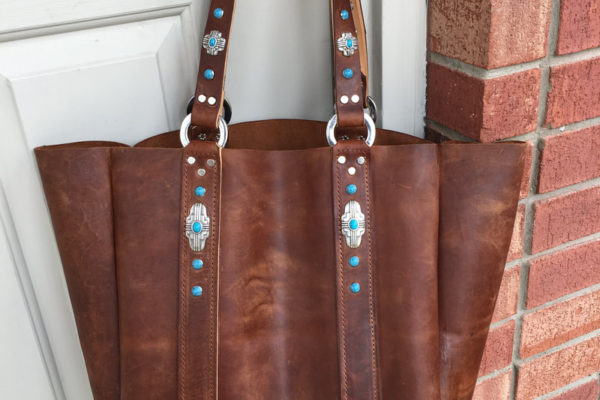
(371,227)
(183,305)
(213,262)
(340,267)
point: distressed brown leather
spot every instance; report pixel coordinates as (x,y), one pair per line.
(277,303)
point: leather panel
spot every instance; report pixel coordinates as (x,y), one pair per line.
(146,190)
(479,191)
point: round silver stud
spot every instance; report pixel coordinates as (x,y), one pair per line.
(355,98)
(341,160)
(344,99)
(202,98)
(210,162)
(351,170)
(212,101)
(201,172)
(191,160)
(361,160)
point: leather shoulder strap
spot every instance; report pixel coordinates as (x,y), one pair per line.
(350,73)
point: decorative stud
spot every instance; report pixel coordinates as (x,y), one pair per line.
(341,160)
(209,74)
(348,73)
(212,101)
(218,13)
(197,291)
(355,98)
(347,44)
(214,43)
(198,264)
(351,171)
(353,224)
(345,14)
(197,227)
(344,99)
(210,162)
(202,98)
(354,261)
(200,191)
(355,287)
(201,172)
(361,160)
(351,189)
(191,160)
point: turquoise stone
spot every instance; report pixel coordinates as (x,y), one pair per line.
(351,189)
(200,191)
(353,224)
(348,73)
(197,264)
(212,42)
(349,43)
(345,14)
(209,74)
(355,287)
(197,227)
(218,13)
(197,291)
(354,261)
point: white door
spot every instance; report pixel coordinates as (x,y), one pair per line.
(74,70)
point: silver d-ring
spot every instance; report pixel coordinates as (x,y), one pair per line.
(371,130)
(185,125)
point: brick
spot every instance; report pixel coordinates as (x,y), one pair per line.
(485,110)
(559,323)
(579,25)
(489,34)
(565,218)
(526,180)
(574,94)
(508,297)
(498,348)
(555,370)
(564,272)
(515,250)
(587,391)
(496,388)
(570,158)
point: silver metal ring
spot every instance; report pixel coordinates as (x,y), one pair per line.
(185,125)
(371,130)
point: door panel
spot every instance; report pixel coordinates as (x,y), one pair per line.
(74,70)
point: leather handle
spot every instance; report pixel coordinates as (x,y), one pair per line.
(209,96)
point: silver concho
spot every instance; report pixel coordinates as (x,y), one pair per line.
(214,43)
(347,44)
(197,227)
(353,231)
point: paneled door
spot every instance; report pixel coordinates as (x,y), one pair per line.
(73,70)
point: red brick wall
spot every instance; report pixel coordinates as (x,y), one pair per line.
(530,70)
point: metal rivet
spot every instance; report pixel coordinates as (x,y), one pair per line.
(212,101)
(197,291)
(341,160)
(191,160)
(351,170)
(210,162)
(197,264)
(201,172)
(361,160)
(202,98)
(355,98)
(344,99)
(355,287)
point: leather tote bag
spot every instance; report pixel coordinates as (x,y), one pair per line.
(282,259)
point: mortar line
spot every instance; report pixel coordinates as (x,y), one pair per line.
(570,386)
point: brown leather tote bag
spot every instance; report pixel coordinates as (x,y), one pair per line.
(282,259)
